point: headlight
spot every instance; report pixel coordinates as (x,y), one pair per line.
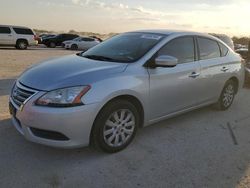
(66,97)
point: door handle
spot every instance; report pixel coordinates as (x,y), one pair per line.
(194,75)
(9,35)
(224,69)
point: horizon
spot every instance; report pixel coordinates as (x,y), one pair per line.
(110,16)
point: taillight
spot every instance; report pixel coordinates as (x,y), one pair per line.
(36,37)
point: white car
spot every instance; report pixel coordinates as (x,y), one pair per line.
(81,43)
(19,37)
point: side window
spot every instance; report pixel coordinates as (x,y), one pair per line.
(88,39)
(223,49)
(23,31)
(180,48)
(69,36)
(209,48)
(5,30)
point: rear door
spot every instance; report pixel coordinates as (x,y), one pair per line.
(25,33)
(174,89)
(6,36)
(87,43)
(214,68)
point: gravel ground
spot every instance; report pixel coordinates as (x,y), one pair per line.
(203,148)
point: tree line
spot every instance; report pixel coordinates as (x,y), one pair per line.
(241,40)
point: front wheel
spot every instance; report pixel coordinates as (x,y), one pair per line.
(74,47)
(227,95)
(115,126)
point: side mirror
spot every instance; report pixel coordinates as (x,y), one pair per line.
(166,61)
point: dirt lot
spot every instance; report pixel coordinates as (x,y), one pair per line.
(203,148)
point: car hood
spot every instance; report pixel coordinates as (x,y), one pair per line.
(68,71)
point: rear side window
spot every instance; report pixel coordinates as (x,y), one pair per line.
(180,48)
(209,49)
(5,30)
(223,49)
(23,31)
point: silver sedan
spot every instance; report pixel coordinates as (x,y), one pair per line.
(80,43)
(132,80)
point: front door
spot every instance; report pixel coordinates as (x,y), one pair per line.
(174,89)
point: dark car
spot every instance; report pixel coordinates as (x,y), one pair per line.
(243,52)
(57,40)
(41,37)
(247,75)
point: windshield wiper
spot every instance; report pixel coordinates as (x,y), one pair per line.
(99,57)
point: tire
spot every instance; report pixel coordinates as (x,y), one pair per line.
(227,95)
(110,133)
(52,45)
(74,47)
(22,44)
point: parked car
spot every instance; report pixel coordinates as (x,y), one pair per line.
(80,43)
(57,40)
(226,39)
(247,74)
(102,96)
(19,37)
(43,36)
(243,52)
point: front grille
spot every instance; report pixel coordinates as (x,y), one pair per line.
(20,94)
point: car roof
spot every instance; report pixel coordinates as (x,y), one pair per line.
(168,32)
(14,26)
(177,32)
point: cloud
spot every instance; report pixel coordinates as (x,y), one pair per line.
(200,15)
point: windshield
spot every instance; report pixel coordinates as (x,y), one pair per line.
(77,39)
(125,48)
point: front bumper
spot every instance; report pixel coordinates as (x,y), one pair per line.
(75,123)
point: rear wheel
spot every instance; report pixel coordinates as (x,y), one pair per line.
(22,44)
(227,95)
(115,126)
(74,47)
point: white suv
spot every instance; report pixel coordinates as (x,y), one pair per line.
(20,37)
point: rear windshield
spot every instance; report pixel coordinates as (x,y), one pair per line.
(23,31)
(124,48)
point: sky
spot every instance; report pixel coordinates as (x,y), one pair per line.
(104,16)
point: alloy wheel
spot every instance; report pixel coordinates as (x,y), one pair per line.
(228,95)
(119,127)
